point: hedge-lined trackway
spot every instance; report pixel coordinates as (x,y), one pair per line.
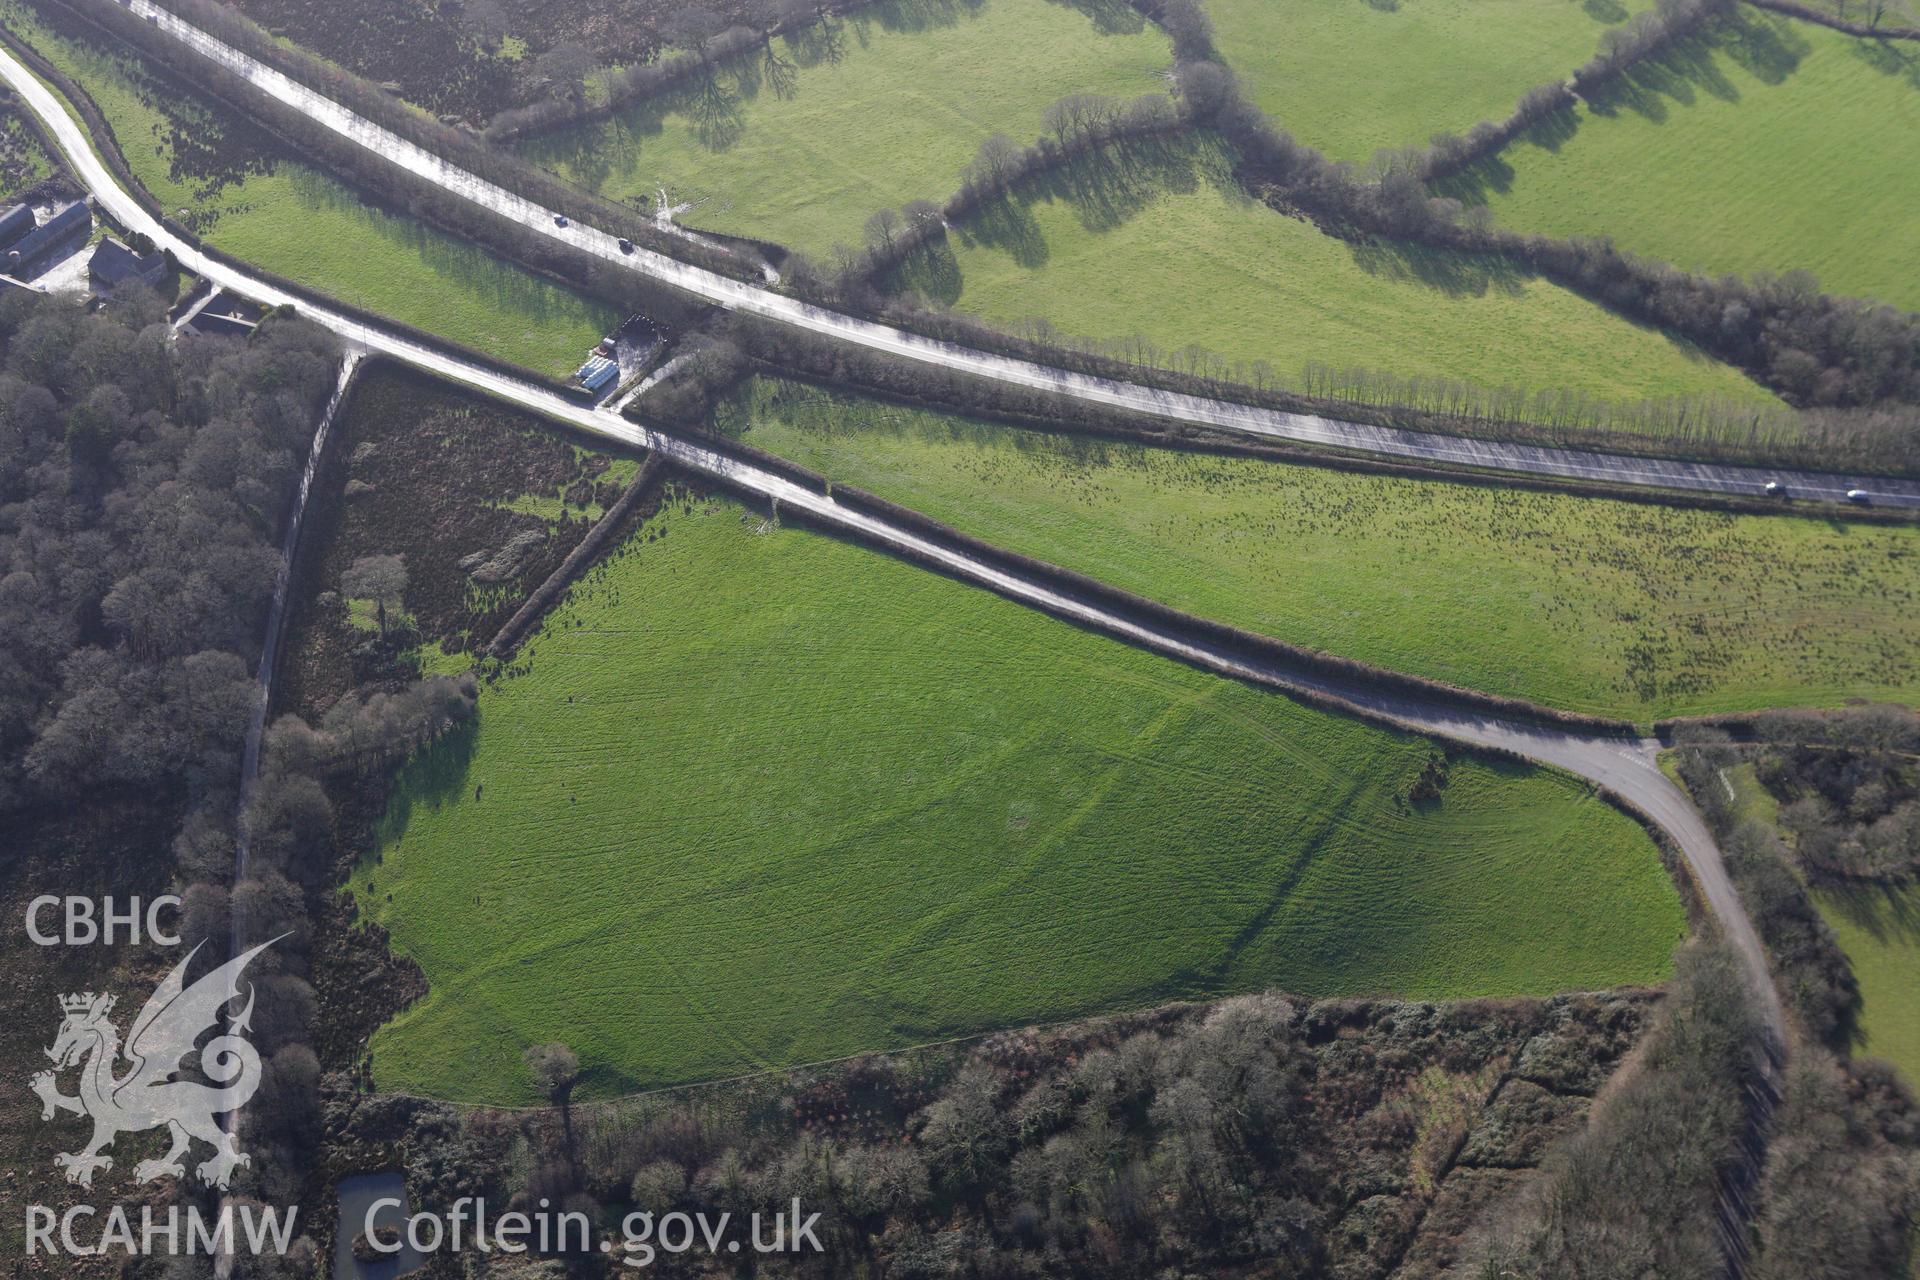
(751,299)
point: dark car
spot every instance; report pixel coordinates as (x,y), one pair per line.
(559,219)
(626,245)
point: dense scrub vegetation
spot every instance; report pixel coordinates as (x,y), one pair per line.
(1849,790)
(1333,1138)
(23,160)
(143,483)
(1640,1192)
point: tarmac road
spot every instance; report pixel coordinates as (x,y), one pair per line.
(1621,765)
(1306,428)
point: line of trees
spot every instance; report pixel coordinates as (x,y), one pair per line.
(1811,348)
(1848,784)
(1812,971)
(706,42)
(1076,124)
(1641,1191)
(1645,34)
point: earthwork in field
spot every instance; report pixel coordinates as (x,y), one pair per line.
(1353,76)
(1621,608)
(232,182)
(1156,240)
(798,144)
(1767,144)
(758,797)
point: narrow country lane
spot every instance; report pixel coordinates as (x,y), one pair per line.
(1624,767)
(750,299)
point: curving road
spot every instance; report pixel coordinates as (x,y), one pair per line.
(1273,423)
(1623,766)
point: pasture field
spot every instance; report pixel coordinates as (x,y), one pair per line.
(1352,76)
(883,106)
(1879,929)
(760,797)
(23,161)
(1619,608)
(233,184)
(1770,145)
(1159,241)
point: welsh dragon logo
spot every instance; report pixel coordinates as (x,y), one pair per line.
(147,1095)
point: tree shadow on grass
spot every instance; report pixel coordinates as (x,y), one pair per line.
(1888,59)
(1109,17)
(912,16)
(1888,914)
(431,779)
(1458,275)
(1492,174)
(1766,48)
(1104,188)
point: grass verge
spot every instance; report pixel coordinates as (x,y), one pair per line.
(759,797)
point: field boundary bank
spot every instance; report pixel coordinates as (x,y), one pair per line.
(1808,14)
(612,525)
(1088,590)
(1140,430)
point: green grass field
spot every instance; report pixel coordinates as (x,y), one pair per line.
(1613,607)
(887,112)
(1774,145)
(303,224)
(1353,76)
(1879,929)
(1159,241)
(764,797)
